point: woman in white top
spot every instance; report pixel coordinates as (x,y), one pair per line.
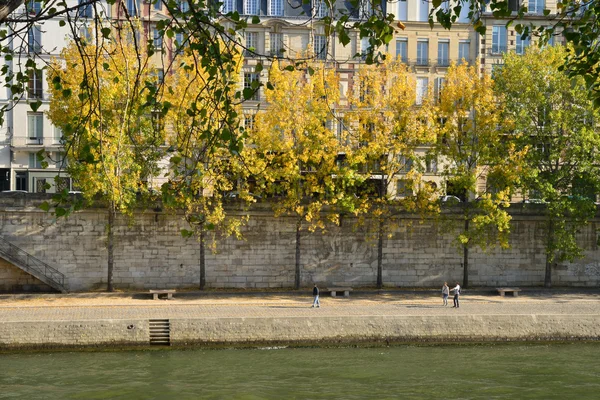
(456,294)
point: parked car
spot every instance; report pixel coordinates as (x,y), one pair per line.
(534,201)
(449,199)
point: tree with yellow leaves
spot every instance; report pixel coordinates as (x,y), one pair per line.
(292,149)
(203,174)
(386,128)
(99,102)
(478,158)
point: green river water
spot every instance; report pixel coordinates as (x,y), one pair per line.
(501,371)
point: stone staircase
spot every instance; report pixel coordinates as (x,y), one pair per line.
(32,265)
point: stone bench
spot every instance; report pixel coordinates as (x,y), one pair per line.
(168,292)
(334,291)
(502,291)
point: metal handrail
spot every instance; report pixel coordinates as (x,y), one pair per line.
(31,263)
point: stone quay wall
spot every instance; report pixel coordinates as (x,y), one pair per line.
(301,330)
(150,252)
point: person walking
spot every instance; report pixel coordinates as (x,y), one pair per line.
(456,294)
(316,302)
(445,293)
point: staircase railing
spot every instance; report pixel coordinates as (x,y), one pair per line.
(32,265)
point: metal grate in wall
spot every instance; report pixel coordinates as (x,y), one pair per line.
(160,332)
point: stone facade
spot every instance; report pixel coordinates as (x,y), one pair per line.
(12,280)
(151,253)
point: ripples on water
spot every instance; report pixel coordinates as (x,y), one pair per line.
(556,371)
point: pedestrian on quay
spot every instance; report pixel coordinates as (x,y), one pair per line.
(316,302)
(456,294)
(445,293)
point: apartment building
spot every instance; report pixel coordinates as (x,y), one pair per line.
(25,131)
(499,39)
(286,29)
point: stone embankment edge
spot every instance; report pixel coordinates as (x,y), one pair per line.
(314,330)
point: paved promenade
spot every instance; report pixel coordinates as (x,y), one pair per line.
(195,305)
(214,318)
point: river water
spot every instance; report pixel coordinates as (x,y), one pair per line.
(501,371)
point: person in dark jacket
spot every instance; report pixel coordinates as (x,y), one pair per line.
(316,302)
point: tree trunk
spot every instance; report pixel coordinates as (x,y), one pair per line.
(549,255)
(380,255)
(202,260)
(297,272)
(466,258)
(7,7)
(110,245)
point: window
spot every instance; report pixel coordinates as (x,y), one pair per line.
(158,121)
(463,50)
(61,183)
(364,47)
(402,49)
(251,7)
(365,9)
(496,68)
(34,85)
(443,54)
(422,52)
(439,85)
(33,161)
(34,7)
(157,5)
(85,11)
(403,188)
(184,6)
(249,121)
(430,164)
(159,75)
(85,34)
(58,135)
(320,47)
(550,38)
(158,39)
(34,39)
(535,6)
(248,79)
(132,8)
(498,39)
(320,8)
(21,180)
(40,184)
(276,44)
(251,44)
(179,42)
(422,87)
(228,6)
(423,14)
(405,164)
(521,44)
(35,127)
(402,10)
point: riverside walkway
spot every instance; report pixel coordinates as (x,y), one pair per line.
(114,319)
(89,306)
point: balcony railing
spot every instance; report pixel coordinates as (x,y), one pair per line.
(496,50)
(24,141)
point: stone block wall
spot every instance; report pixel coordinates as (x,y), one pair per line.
(151,253)
(13,279)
